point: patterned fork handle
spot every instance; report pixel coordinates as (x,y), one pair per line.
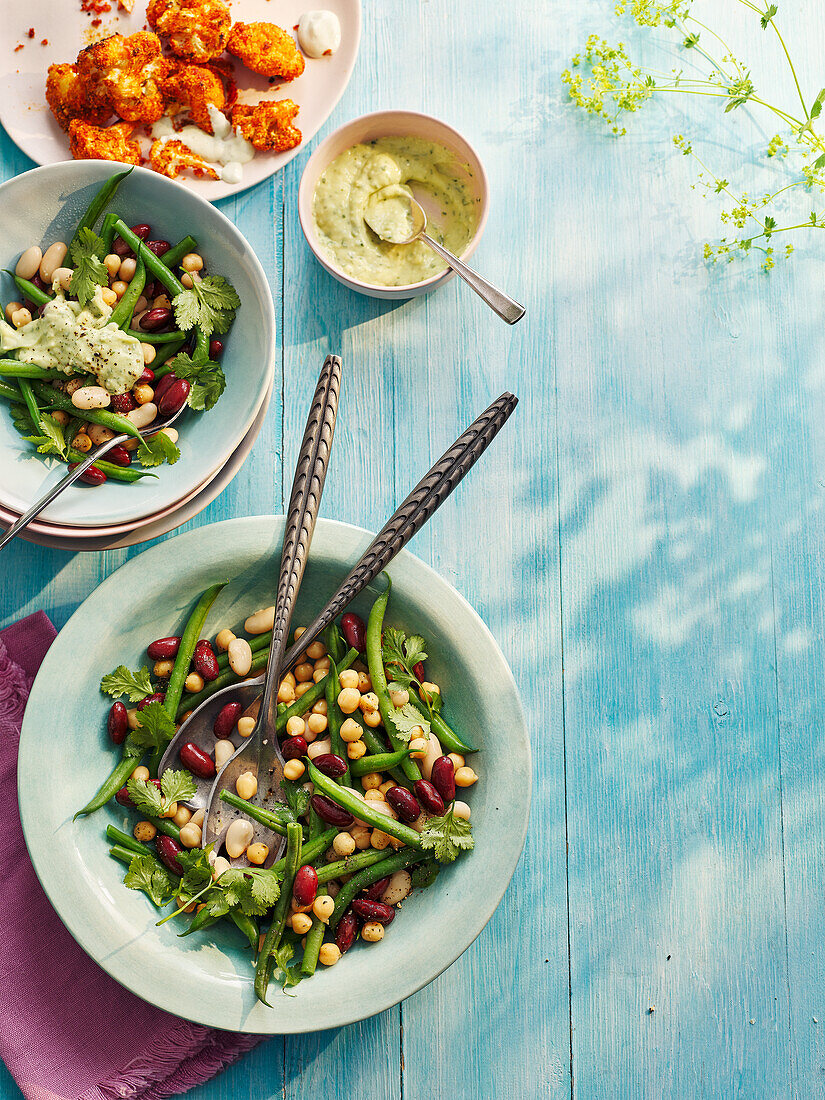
(410,516)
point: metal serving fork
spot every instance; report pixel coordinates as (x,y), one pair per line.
(407,519)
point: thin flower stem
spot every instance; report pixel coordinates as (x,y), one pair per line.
(760,13)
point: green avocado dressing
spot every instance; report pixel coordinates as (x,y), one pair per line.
(70,337)
(343,193)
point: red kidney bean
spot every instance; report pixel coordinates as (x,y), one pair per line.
(305,886)
(160,248)
(403,803)
(226,719)
(164,384)
(92,476)
(38,282)
(169,850)
(147,378)
(157,697)
(204,660)
(373,910)
(143,230)
(330,764)
(155,319)
(123,403)
(429,797)
(122,249)
(418,669)
(197,761)
(117,723)
(354,630)
(122,798)
(120,456)
(443,778)
(215,349)
(374,892)
(174,398)
(294,748)
(346,931)
(328,811)
(163,648)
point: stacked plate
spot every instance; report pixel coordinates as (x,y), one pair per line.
(43,206)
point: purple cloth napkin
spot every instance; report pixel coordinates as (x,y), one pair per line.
(67,1030)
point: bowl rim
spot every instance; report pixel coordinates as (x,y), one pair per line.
(47,870)
(101,169)
(305,200)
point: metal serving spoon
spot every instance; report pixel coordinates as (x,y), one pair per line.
(259,753)
(394,215)
(406,521)
(81,468)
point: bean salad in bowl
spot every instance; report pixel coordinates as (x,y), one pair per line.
(372,770)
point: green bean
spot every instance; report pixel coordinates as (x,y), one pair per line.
(125,840)
(334,641)
(310,851)
(98,204)
(161,364)
(156,337)
(347,800)
(118,424)
(125,855)
(256,644)
(201,350)
(272,940)
(31,404)
(32,292)
(153,265)
(350,865)
(335,719)
(447,737)
(248,926)
(202,919)
(271,819)
(11,368)
(110,469)
(111,785)
(122,313)
(9,393)
(388,866)
(381,762)
(315,937)
(375,662)
(375,747)
(107,233)
(166,825)
(176,253)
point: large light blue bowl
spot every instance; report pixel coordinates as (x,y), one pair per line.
(65,754)
(43,206)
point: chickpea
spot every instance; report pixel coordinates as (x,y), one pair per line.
(348,700)
(361,835)
(369,703)
(193,682)
(140,772)
(386,786)
(112,264)
(316,723)
(143,394)
(373,931)
(144,831)
(351,731)
(343,845)
(162,302)
(191,835)
(294,769)
(170,810)
(348,678)
(372,718)
(322,907)
(246,726)
(127,269)
(364,682)
(301,923)
(379,840)
(286,693)
(457,759)
(12,308)
(223,638)
(246,785)
(299,630)
(329,954)
(182,817)
(20,317)
(303,672)
(108,295)
(163,669)
(290,679)
(356,749)
(61,417)
(418,747)
(465,777)
(303,688)
(296,727)
(119,287)
(318,675)
(374,795)
(400,698)
(192,262)
(320,707)
(257,853)
(198,818)
(430,689)
(132,714)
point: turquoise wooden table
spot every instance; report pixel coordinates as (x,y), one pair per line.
(645,541)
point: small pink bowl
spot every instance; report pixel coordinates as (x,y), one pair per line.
(390,124)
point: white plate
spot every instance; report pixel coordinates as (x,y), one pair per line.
(31,125)
(44,205)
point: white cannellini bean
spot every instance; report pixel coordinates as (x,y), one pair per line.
(171,432)
(238,837)
(99,434)
(240,656)
(29,263)
(461,809)
(219,866)
(223,750)
(91,397)
(400,885)
(53,258)
(143,415)
(383,808)
(318,748)
(434,750)
(63,277)
(12,308)
(261,621)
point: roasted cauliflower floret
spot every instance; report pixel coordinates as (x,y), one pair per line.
(126,73)
(197,29)
(103,143)
(68,97)
(266,49)
(194,88)
(170,158)
(268,125)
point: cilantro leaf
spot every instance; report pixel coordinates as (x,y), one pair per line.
(447,836)
(401,654)
(146,797)
(210,306)
(134,685)
(197,872)
(156,450)
(207,378)
(408,718)
(52,440)
(177,786)
(156,728)
(296,797)
(252,891)
(156,882)
(89,270)
(424,874)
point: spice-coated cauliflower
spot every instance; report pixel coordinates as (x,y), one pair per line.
(268,124)
(197,29)
(194,88)
(170,158)
(103,143)
(68,97)
(266,49)
(127,73)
